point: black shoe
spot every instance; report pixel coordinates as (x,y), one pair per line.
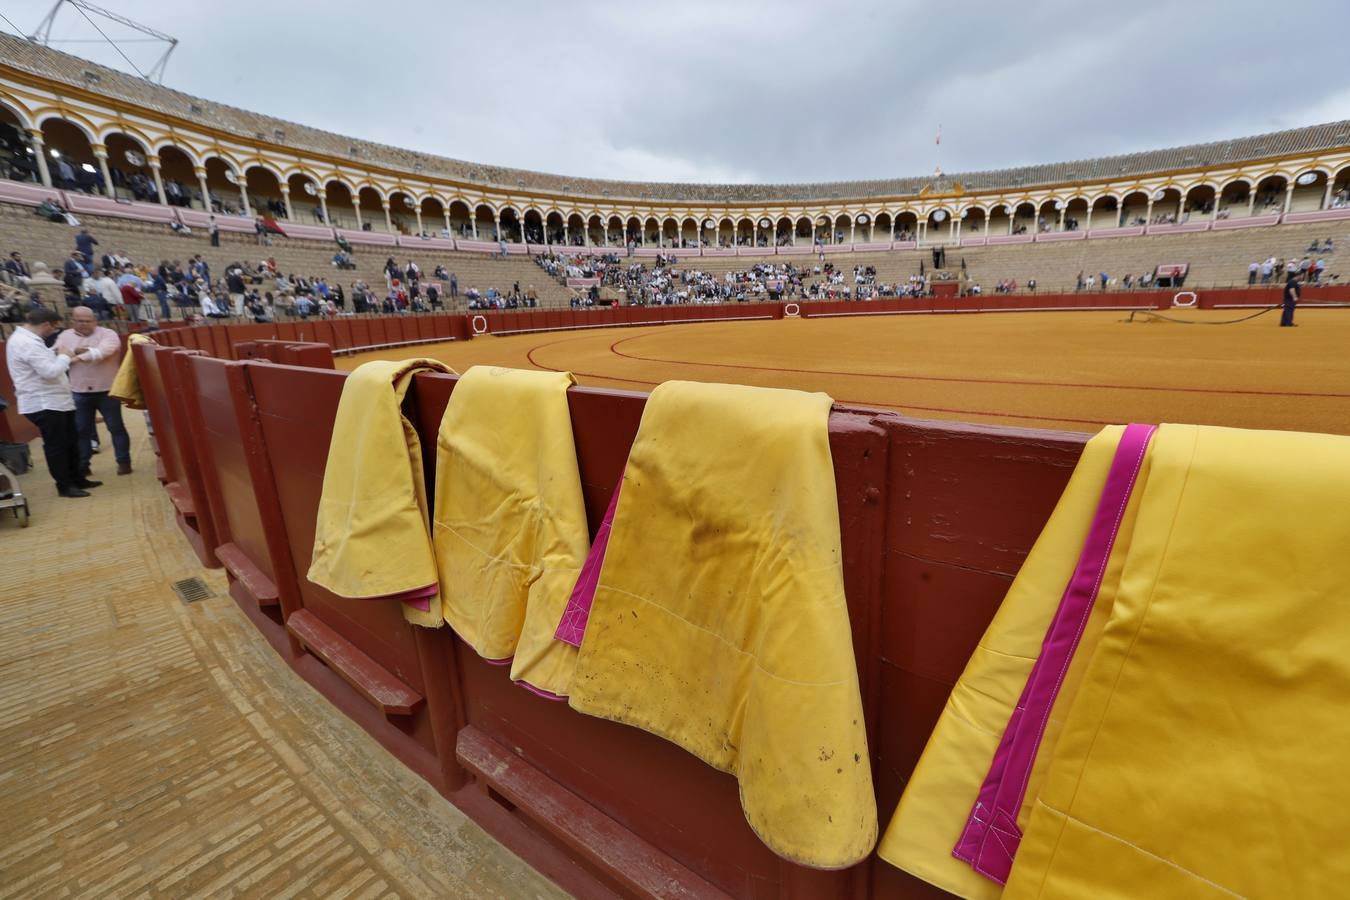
(86,483)
(73,492)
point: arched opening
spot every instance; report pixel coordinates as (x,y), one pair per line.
(533,227)
(17,162)
(511,227)
(553,228)
(403,212)
(614,232)
(689,232)
(1310,190)
(726,232)
(652,231)
(1047,215)
(1340,189)
(1134,209)
(1201,202)
(906,225)
(341,210)
(782,232)
(304,194)
(884,227)
(1102,213)
(576,230)
(129,168)
(433,217)
(1270,194)
(223,184)
(843,229)
(595,231)
(633,230)
(745,232)
(1233,199)
(973,221)
(264,191)
(1000,220)
(461,220)
(70,157)
(670,233)
(825,229)
(179,176)
(862,228)
(372,208)
(938,224)
(1024,218)
(1075,214)
(802,230)
(484,223)
(1166,206)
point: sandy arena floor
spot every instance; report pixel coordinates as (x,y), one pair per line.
(1069,371)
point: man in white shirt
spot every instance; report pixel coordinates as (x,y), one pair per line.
(42,391)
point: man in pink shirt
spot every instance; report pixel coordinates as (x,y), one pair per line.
(91,375)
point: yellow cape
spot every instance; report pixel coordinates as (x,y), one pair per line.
(372,538)
(126,384)
(719,621)
(1204,754)
(510,530)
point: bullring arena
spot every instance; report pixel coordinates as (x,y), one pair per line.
(213,684)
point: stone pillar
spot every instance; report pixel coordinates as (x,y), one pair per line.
(1012,220)
(388,220)
(1288,196)
(567,232)
(286,201)
(356,211)
(101,156)
(1148,214)
(448,230)
(1251,199)
(1088,226)
(418,211)
(200,172)
(323,206)
(852,231)
(158,178)
(497,224)
(40,154)
(952,232)
(243,194)
(1326,196)
(1064,209)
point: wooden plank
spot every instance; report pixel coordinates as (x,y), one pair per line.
(636,865)
(237,563)
(374,682)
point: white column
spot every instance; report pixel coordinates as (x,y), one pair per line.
(1251,199)
(388,220)
(40,154)
(418,211)
(1148,214)
(243,194)
(1062,211)
(201,186)
(497,223)
(1088,226)
(158,178)
(852,231)
(101,156)
(448,230)
(952,231)
(813,233)
(1288,196)
(356,211)
(567,232)
(286,201)
(1326,196)
(1012,220)
(323,206)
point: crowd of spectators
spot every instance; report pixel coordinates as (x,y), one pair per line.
(1311,267)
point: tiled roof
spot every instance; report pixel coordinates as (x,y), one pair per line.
(25,55)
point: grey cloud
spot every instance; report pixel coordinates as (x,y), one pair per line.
(756,90)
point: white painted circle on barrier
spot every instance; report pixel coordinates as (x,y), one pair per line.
(1176,299)
(791,310)
(478,324)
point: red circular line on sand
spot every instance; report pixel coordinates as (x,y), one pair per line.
(529,354)
(958,380)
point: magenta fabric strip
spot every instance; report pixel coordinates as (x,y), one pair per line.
(572,627)
(991,836)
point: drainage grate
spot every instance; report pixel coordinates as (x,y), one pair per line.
(190,590)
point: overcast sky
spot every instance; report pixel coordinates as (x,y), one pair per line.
(750,90)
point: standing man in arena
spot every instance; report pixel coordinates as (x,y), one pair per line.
(99,354)
(43,394)
(1291,296)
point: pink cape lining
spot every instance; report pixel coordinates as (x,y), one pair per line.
(991,836)
(572,627)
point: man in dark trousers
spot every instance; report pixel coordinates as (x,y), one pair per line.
(1291,295)
(43,394)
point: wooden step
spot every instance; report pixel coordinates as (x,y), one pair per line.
(247,573)
(372,680)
